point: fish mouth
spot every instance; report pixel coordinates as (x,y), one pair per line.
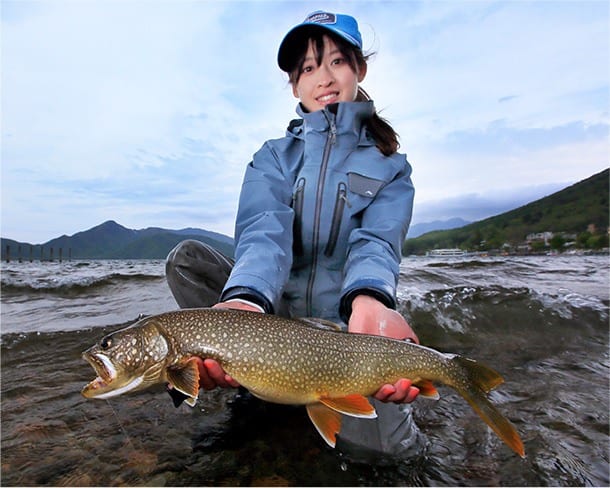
(105,371)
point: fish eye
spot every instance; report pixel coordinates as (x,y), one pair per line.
(106,342)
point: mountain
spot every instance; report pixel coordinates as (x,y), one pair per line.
(572,210)
(419,229)
(575,210)
(111,240)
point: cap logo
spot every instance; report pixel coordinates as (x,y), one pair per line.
(322,18)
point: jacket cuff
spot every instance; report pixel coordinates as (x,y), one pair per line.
(249,294)
(345,305)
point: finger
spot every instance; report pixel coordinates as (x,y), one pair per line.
(218,375)
(402,387)
(384,392)
(237,305)
(412,338)
(215,371)
(205,381)
(230,381)
(412,395)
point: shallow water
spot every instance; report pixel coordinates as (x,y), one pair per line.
(542,322)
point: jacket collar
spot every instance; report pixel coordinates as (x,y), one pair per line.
(348,117)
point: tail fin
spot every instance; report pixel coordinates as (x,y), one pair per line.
(482,376)
(482,380)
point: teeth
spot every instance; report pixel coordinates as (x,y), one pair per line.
(326,98)
(110,370)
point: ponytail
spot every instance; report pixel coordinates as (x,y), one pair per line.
(380,129)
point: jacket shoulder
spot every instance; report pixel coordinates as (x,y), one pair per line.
(282,145)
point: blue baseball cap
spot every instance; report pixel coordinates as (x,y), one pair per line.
(343,25)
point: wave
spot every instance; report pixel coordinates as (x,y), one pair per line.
(42,340)
(70,285)
(466,264)
(464,309)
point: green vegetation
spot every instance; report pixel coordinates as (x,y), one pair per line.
(578,214)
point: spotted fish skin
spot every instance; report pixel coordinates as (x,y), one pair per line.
(284,361)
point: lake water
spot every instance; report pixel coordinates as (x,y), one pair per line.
(542,322)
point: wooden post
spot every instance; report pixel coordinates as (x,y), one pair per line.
(41,254)
(8,253)
(19,253)
(51,255)
(60,253)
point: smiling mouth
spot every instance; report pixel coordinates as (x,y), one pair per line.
(329,97)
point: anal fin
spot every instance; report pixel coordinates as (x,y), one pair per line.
(326,421)
(427,389)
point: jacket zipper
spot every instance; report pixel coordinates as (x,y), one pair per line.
(340,203)
(330,141)
(297,226)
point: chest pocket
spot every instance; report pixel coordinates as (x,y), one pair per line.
(364,185)
(360,185)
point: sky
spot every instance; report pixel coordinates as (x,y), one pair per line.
(148,111)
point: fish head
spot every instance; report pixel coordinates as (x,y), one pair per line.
(127,360)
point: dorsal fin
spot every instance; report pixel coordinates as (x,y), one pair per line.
(320,324)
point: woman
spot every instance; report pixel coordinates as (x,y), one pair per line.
(323,211)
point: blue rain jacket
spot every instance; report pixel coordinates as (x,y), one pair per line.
(322,217)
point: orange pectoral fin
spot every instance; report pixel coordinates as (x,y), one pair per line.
(326,421)
(427,389)
(354,405)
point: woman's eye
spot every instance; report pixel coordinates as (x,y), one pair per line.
(338,60)
(307,69)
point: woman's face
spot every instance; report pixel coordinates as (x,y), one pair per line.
(332,81)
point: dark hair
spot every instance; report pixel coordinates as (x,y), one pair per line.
(382,132)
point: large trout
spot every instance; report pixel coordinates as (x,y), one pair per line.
(285,361)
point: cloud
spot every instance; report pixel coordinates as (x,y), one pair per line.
(457,59)
(115,105)
(147,112)
(507,98)
(498,137)
(478,206)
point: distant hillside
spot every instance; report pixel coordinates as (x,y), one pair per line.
(419,229)
(570,210)
(113,241)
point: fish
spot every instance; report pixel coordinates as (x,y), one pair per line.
(288,361)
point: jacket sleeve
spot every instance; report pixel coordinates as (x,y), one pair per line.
(374,249)
(263,233)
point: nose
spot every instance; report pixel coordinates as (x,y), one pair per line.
(325,76)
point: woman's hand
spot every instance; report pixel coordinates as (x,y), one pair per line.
(211,375)
(238,305)
(370,316)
